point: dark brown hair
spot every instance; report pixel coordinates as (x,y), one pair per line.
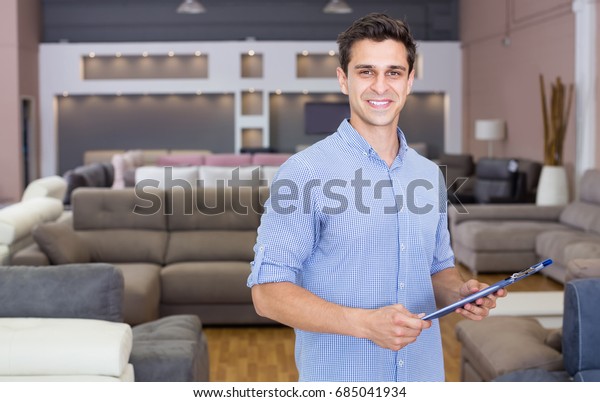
(377,27)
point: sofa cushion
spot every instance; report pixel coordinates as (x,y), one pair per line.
(141,298)
(170,349)
(210,245)
(501,235)
(582,215)
(213,209)
(124,245)
(61,244)
(228,160)
(63,346)
(162,177)
(583,268)
(225,176)
(583,250)
(590,187)
(181,160)
(77,290)
(18,220)
(119,209)
(495,346)
(552,243)
(214,282)
(50,186)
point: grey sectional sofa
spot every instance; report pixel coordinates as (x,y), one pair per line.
(180,251)
(505,238)
(168,349)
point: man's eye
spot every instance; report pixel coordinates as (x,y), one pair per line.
(365,72)
(395,73)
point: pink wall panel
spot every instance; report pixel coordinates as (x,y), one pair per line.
(502,81)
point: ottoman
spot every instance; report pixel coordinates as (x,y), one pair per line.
(500,345)
(170,349)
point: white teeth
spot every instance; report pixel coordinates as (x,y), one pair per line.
(376,103)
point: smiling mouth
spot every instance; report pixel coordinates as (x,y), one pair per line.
(379,104)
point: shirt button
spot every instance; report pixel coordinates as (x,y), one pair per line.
(402,247)
(364,153)
(400,363)
(401,285)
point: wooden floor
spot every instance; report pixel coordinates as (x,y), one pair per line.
(266,354)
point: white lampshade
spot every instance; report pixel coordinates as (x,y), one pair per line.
(490,130)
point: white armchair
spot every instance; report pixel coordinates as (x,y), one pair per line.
(64,349)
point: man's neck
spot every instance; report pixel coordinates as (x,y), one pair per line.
(384,140)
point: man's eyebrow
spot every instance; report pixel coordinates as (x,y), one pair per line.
(391,67)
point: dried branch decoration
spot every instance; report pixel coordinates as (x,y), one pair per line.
(555,125)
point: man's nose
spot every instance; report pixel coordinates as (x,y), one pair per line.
(380,84)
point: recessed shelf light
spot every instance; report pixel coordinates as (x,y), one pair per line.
(251,90)
(278,91)
(92,55)
(305,53)
(332,52)
(198,53)
(118,54)
(65,94)
(198,92)
(119,93)
(305,91)
(145,54)
(171,53)
(251,52)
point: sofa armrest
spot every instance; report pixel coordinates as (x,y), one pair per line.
(583,268)
(93,291)
(504,212)
(31,255)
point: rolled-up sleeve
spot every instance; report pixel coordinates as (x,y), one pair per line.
(289,226)
(443,256)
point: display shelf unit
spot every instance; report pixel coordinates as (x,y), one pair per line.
(228,67)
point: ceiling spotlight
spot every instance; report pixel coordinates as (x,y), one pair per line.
(337,7)
(191,7)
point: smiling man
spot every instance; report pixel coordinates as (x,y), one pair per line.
(353,247)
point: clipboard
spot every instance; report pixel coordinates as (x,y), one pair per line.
(517,276)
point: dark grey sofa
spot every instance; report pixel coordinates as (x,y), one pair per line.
(506,238)
(92,175)
(180,251)
(169,349)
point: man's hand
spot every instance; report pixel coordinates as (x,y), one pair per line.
(392,327)
(481,307)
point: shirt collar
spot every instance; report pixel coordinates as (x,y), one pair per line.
(354,139)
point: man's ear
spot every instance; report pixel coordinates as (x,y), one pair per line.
(411,79)
(343,80)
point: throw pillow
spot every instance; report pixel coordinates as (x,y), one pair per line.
(61,244)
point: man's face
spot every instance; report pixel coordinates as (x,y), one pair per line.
(377,83)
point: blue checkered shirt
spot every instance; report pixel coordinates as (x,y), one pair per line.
(354,231)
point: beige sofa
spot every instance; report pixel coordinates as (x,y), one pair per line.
(506,238)
(181,252)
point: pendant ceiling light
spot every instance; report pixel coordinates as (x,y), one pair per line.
(191,7)
(337,7)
